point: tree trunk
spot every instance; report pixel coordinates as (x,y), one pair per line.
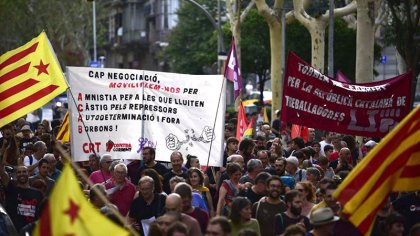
(365,40)
(317,31)
(276,70)
(236,17)
(273,20)
(316,27)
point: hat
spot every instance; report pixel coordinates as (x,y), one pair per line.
(289,181)
(293,160)
(26,127)
(323,216)
(370,143)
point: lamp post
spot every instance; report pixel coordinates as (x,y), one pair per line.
(220,42)
(94,29)
(331,41)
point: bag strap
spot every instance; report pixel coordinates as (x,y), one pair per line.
(300,175)
(280,215)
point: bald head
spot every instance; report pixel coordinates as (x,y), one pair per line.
(173,203)
(236,158)
(344,151)
(345,154)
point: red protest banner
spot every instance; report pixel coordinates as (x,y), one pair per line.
(314,100)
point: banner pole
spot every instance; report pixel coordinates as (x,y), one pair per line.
(215,119)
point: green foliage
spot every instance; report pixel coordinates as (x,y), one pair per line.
(191,47)
(68,25)
(344,49)
(255,44)
(298,40)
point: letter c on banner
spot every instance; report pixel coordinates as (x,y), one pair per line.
(80,107)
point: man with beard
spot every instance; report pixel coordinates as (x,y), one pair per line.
(148,155)
(265,210)
(176,161)
(185,191)
(22,202)
(292,215)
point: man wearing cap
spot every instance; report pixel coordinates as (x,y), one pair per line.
(293,170)
(369,145)
(323,220)
(26,137)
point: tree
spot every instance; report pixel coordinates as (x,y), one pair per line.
(256,49)
(316,26)
(190,50)
(365,40)
(273,18)
(233,8)
(403,31)
(68,25)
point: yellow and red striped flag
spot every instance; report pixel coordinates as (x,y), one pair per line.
(68,212)
(64,134)
(243,129)
(30,76)
(392,166)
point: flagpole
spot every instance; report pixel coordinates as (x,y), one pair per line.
(98,193)
(215,119)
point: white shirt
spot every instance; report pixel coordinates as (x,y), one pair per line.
(323,143)
(27,163)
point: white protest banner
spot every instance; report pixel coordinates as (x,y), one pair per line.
(126,110)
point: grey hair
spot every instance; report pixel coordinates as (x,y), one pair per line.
(38,145)
(115,163)
(103,157)
(121,165)
(252,164)
(147,179)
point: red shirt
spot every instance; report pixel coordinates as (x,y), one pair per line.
(122,197)
(333,156)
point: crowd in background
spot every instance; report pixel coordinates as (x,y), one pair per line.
(270,184)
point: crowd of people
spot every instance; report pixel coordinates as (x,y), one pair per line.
(270,184)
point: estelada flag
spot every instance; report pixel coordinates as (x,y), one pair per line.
(68,212)
(391,166)
(64,134)
(30,76)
